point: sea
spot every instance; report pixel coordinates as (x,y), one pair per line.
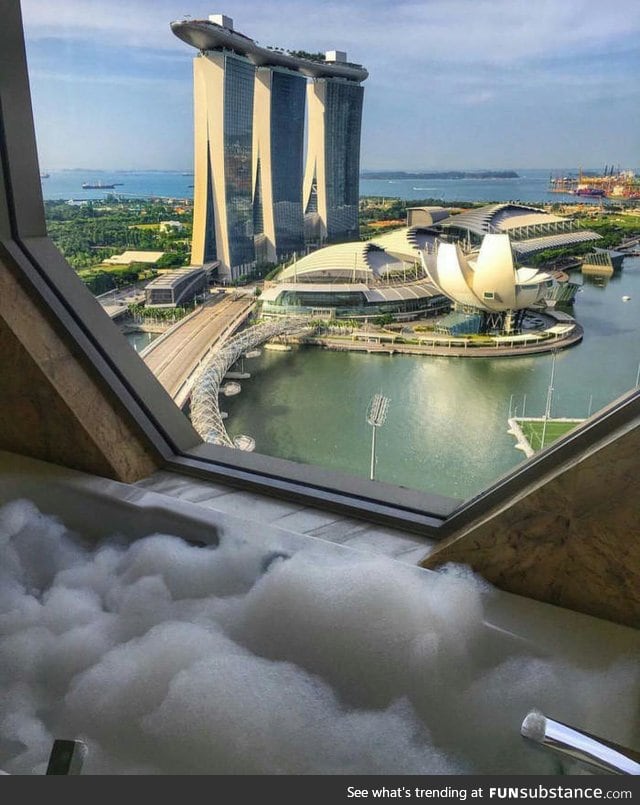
(531,186)
(67,184)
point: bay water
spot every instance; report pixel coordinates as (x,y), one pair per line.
(446,429)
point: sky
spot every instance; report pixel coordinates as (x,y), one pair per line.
(453,84)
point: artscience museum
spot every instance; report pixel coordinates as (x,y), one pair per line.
(487,282)
(472,266)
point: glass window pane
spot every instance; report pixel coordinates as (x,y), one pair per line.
(486,352)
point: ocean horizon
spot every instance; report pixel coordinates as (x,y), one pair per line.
(531,185)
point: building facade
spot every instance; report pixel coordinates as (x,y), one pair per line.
(223,192)
(254,200)
(278,159)
(331,187)
(174,288)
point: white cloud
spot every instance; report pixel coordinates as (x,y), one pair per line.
(498,32)
(421,54)
(115,22)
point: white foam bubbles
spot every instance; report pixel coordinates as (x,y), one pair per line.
(168,658)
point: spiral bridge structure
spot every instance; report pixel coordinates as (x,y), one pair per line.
(205,409)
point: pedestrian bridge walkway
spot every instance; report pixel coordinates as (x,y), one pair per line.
(205,410)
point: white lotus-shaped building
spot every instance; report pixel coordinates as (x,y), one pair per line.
(488,279)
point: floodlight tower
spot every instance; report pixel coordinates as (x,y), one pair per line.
(376,417)
(547,412)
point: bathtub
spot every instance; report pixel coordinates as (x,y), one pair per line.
(513,626)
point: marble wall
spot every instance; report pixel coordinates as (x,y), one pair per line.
(54,406)
(571,539)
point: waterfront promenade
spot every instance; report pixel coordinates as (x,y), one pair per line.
(561,331)
(344,344)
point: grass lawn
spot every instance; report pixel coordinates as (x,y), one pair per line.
(627,221)
(554,430)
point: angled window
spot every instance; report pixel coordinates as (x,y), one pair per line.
(107,171)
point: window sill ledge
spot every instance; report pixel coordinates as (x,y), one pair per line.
(302,520)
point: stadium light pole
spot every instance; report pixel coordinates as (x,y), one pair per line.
(547,412)
(376,417)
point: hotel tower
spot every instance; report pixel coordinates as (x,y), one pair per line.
(255,201)
(332,174)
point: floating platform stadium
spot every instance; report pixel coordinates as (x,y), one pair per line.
(472,264)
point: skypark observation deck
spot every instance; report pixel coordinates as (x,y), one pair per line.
(207,35)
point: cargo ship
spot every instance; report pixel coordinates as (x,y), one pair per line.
(590,191)
(97,186)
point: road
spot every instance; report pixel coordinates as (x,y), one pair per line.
(174,356)
(116,302)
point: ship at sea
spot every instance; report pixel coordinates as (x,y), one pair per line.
(588,190)
(98,186)
(611,184)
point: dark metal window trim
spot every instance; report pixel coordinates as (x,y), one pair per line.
(24,242)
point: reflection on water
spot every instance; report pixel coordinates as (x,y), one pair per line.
(140,340)
(446,429)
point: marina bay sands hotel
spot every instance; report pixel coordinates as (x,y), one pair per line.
(257,199)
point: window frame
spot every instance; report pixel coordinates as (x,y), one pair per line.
(25,243)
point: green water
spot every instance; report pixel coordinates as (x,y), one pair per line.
(446,429)
(140,340)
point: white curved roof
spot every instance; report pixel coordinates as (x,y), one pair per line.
(526,275)
(405,243)
(481,220)
(413,290)
(208,35)
(350,261)
(455,275)
(514,220)
(494,272)
(426,216)
(510,216)
(533,245)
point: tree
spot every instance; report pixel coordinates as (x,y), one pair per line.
(169,259)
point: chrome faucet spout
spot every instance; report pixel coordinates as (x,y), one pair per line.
(579,745)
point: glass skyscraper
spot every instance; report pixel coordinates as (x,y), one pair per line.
(287,159)
(278,158)
(253,197)
(331,184)
(343,116)
(239,77)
